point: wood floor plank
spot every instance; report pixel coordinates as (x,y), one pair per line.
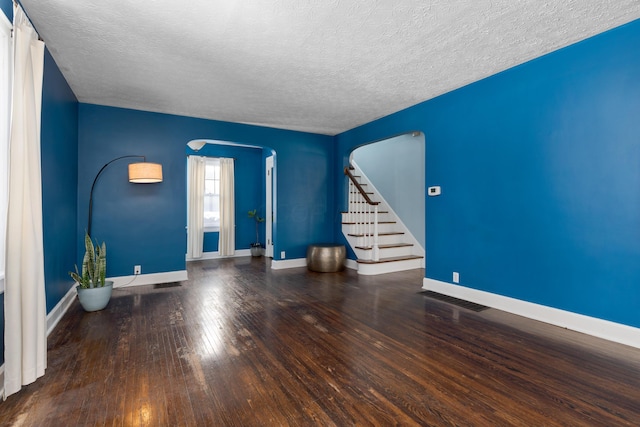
(240,344)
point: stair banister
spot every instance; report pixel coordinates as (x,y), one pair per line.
(360,214)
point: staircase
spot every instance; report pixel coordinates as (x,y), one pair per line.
(379,239)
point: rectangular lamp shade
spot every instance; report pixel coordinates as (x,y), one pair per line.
(145,173)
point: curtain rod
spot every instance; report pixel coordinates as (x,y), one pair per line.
(17,3)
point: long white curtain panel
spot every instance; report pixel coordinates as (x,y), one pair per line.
(25,309)
(195,206)
(227,239)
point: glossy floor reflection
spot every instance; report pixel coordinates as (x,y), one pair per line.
(241,345)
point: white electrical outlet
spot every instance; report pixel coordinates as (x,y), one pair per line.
(434,191)
(282,254)
(456,277)
(137,269)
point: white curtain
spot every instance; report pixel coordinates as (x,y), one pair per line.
(6,70)
(195,206)
(24,299)
(227,239)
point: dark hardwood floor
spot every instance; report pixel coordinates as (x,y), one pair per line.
(241,345)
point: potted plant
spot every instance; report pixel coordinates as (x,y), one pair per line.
(256,247)
(94,292)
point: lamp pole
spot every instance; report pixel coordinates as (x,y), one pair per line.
(94,184)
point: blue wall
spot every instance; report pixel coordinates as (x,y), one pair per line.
(7,7)
(59,153)
(249,191)
(145,224)
(539,168)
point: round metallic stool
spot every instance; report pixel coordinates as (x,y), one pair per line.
(326,257)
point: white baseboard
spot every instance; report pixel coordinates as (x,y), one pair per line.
(60,309)
(53,317)
(389,267)
(216,255)
(149,279)
(288,263)
(351,264)
(302,262)
(600,328)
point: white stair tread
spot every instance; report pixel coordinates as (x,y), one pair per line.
(393,245)
(391,259)
(391,233)
(379,222)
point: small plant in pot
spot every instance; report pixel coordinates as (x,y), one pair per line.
(256,247)
(94,292)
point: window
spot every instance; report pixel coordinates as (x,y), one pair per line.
(212,194)
(5,114)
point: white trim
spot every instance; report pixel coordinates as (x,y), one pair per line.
(268,212)
(288,263)
(302,262)
(56,314)
(389,267)
(350,263)
(215,163)
(149,279)
(600,328)
(216,255)
(53,318)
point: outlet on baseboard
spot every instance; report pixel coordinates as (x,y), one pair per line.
(456,277)
(137,269)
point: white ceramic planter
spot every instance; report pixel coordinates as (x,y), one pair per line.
(256,250)
(95,299)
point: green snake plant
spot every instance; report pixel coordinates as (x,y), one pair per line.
(254,214)
(94,265)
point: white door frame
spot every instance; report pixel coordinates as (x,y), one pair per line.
(268,252)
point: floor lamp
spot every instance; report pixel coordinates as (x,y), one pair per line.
(139,173)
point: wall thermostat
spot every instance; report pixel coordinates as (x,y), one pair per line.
(433,191)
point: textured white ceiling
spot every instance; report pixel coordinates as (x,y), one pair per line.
(321,66)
